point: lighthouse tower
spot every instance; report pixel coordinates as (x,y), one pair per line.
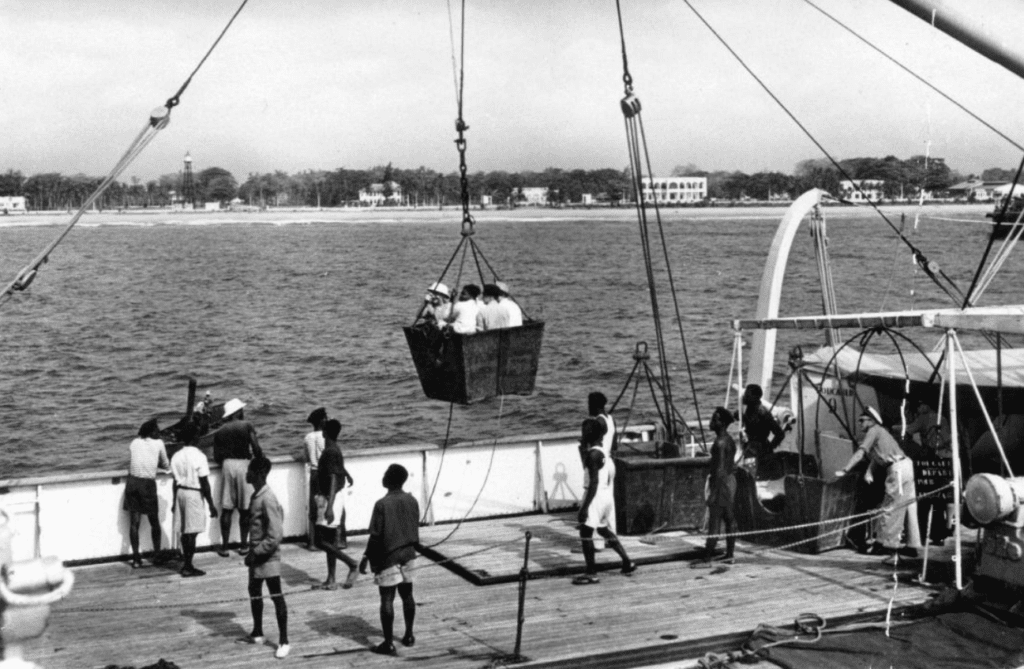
(188,185)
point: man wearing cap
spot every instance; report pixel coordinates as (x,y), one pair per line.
(498,309)
(438,304)
(882,451)
(234,444)
(148,454)
(391,554)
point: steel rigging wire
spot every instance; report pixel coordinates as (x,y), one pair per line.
(969,297)
(156,122)
(478,256)
(930,268)
(636,140)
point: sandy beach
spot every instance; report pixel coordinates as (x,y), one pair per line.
(953,213)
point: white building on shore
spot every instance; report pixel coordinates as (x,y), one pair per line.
(676,190)
(12,204)
(862,190)
(531,195)
(374,195)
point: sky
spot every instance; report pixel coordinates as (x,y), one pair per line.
(324,84)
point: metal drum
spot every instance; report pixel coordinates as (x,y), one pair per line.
(990,497)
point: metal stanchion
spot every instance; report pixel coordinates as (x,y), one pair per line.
(524,575)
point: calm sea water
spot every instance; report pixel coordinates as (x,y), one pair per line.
(295,310)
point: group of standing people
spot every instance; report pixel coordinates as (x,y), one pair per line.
(475,310)
(898,527)
(393,531)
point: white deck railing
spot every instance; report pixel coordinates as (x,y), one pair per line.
(79,517)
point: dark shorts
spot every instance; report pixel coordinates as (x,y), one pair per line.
(140,495)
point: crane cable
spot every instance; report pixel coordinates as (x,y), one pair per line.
(971,296)
(930,268)
(157,121)
(636,140)
(468,223)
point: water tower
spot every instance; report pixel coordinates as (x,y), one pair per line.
(188,185)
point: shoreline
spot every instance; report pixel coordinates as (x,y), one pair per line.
(945,212)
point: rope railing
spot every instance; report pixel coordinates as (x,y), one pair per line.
(864,518)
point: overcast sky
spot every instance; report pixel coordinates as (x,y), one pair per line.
(323,84)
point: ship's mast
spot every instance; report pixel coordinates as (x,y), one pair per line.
(941,15)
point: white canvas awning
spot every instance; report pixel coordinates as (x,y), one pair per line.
(1004,319)
(919,367)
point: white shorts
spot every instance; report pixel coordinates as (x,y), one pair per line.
(321,508)
(396,574)
(191,512)
(601,512)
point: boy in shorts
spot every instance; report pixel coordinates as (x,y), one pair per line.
(264,555)
(391,553)
(330,507)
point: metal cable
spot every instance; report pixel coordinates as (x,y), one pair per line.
(157,121)
(937,275)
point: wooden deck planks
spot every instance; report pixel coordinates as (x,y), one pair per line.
(458,624)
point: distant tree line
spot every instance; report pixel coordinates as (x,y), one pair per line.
(903,178)
(426,187)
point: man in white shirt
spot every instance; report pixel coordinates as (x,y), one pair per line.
(314,448)
(465,311)
(147,456)
(498,310)
(191,472)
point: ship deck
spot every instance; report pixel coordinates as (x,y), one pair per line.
(123,617)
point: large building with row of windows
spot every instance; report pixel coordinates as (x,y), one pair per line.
(861,190)
(675,190)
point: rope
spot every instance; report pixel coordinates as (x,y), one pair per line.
(875,513)
(916,76)
(487,475)
(937,275)
(892,266)
(175,99)
(157,121)
(981,403)
(444,449)
(1001,256)
(635,139)
(489,547)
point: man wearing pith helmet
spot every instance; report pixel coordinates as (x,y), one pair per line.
(234,444)
(438,304)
